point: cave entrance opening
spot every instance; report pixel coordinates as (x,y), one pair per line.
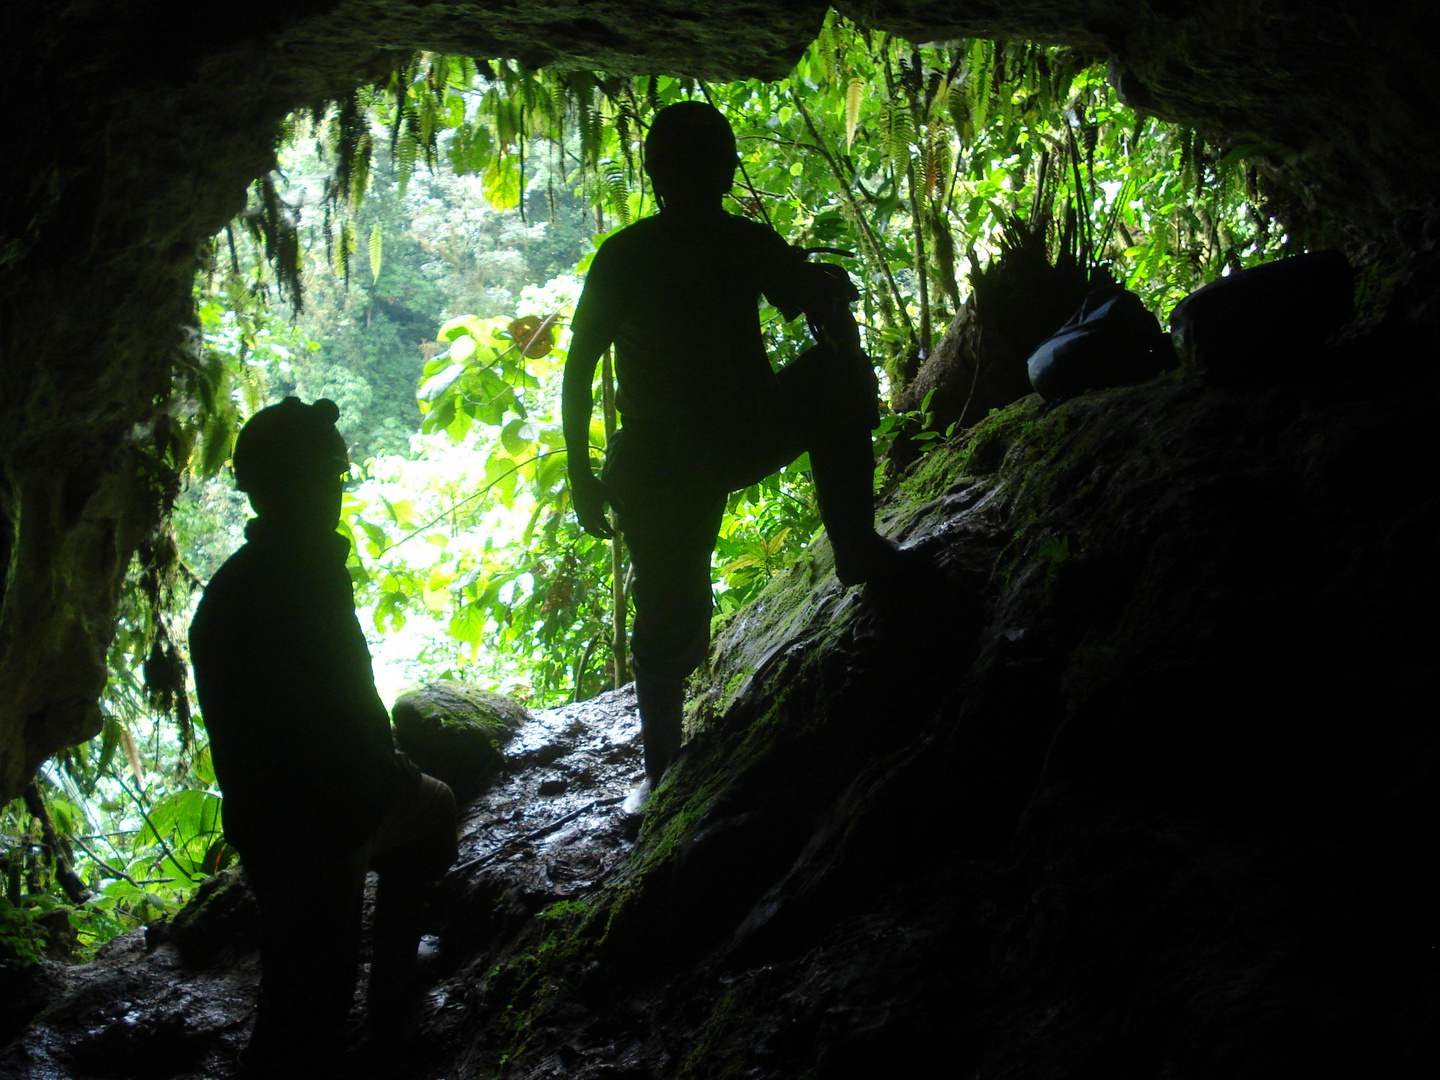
(415,257)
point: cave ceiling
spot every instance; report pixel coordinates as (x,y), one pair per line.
(133,127)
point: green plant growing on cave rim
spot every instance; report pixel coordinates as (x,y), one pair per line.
(908,157)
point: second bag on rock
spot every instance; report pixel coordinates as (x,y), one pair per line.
(1112,340)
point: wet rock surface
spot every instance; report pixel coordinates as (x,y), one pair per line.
(178,1001)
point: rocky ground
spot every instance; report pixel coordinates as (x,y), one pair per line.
(178,1001)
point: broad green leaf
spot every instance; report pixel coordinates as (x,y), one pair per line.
(515,437)
(468,624)
(438,383)
(462,348)
(440,418)
(403,512)
(379,540)
(461,324)
(502,183)
(459,425)
(203,767)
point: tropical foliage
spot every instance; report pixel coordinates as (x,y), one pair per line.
(908,158)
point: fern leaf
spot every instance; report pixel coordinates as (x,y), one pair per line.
(617,192)
(360,174)
(376,251)
(853,94)
(1004,105)
(899,133)
(560,107)
(407,152)
(825,42)
(960,112)
(216,440)
(399,86)
(438,77)
(344,247)
(982,68)
(592,134)
(252,386)
(937,160)
(940,102)
(425,131)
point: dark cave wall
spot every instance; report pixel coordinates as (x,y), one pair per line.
(134,132)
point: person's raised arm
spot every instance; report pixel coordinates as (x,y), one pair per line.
(588,341)
(826,293)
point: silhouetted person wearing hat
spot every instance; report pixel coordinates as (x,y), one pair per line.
(315,793)
(677,294)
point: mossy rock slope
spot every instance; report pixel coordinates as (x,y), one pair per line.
(1139,782)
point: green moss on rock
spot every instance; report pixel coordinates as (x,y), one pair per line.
(456,732)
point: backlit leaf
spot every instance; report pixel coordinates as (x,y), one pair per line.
(853,93)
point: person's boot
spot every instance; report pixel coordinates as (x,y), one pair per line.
(396,940)
(662,712)
(843,466)
(636,799)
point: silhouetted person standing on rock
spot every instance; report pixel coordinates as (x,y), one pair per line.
(704,414)
(315,793)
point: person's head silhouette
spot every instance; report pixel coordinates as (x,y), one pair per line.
(690,155)
(291,462)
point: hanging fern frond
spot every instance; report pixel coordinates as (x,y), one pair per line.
(899,127)
(271,224)
(343,248)
(349,140)
(400,88)
(981,69)
(961,107)
(825,41)
(854,92)
(407,153)
(937,159)
(617,192)
(250,379)
(591,135)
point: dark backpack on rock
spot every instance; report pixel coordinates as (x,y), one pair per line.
(1112,340)
(1267,321)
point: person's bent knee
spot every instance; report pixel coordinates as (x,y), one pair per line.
(418,839)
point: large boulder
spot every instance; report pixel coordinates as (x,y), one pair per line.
(220,922)
(456,731)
